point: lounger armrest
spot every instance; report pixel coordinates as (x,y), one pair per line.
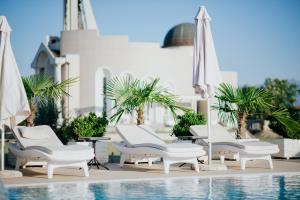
(191,137)
(248,140)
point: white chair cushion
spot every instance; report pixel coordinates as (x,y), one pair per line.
(251,146)
(35,133)
(135,136)
(183,148)
(66,149)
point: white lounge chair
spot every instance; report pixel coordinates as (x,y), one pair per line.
(40,143)
(142,141)
(224,144)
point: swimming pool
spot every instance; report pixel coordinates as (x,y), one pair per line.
(239,187)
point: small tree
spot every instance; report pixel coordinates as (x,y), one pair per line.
(132,95)
(40,89)
(235,104)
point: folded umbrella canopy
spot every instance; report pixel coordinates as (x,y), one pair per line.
(206,73)
(14,106)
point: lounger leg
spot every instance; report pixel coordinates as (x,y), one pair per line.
(85,169)
(166,166)
(222,159)
(18,163)
(122,160)
(236,157)
(270,162)
(243,163)
(50,171)
(196,165)
(149,162)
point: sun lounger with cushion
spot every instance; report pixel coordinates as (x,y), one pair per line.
(223,143)
(142,141)
(40,143)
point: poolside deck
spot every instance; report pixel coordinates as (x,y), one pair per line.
(37,175)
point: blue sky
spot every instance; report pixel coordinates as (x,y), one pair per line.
(256,38)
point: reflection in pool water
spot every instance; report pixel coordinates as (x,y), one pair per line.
(245,187)
(3,194)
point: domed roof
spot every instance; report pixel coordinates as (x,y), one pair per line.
(180,35)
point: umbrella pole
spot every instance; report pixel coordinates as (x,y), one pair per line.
(2,147)
(209,131)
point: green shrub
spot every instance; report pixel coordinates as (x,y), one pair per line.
(182,127)
(86,126)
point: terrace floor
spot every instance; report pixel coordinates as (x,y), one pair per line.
(38,175)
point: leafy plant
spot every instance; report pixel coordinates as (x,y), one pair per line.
(182,127)
(287,127)
(86,126)
(235,104)
(132,95)
(40,89)
(285,95)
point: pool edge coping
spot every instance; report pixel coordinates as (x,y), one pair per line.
(149,179)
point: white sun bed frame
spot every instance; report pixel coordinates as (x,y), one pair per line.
(142,141)
(40,143)
(243,150)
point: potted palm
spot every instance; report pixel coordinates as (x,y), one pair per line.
(132,95)
(236,104)
(41,89)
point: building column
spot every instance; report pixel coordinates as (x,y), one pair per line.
(57,79)
(57,73)
(65,98)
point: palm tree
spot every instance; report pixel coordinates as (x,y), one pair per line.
(40,89)
(132,95)
(236,104)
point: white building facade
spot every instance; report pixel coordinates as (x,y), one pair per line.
(81,51)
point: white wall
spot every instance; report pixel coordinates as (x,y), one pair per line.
(74,90)
(140,59)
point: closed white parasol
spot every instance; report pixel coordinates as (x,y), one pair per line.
(206,73)
(14,106)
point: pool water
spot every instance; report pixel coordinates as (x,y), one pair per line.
(242,187)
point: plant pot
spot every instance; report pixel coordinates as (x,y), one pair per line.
(288,148)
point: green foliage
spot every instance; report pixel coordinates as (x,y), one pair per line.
(234,101)
(41,88)
(182,127)
(86,126)
(292,129)
(248,101)
(285,96)
(47,114)
(132,94)
(284,92)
